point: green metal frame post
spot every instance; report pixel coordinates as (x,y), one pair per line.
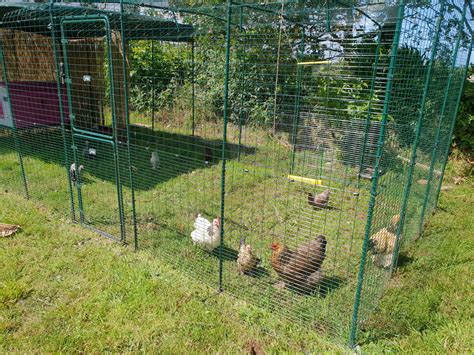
(296,118)
(440,122)
(13,128)
(71,118)
(451,130)
(241,82)
(115,138)
(416,141)
(193,87)
(373,191)
(153,88)
(369,109)
(61,109)
(224,135)
(127,126)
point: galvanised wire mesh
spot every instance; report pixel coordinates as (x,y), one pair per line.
(282,152)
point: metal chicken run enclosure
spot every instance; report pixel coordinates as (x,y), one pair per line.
(315,132)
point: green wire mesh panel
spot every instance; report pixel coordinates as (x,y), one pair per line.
(283,152)
(29,79)
(432,44)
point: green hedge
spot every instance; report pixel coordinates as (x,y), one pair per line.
(464,131)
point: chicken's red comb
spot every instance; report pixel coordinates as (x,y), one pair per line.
(275,245)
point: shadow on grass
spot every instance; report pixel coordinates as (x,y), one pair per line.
(259,272)
(404,260)
(327,285)
(330,284)
(228,254)
(178,154)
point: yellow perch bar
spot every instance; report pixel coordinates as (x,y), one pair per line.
(314,63)
(305,180)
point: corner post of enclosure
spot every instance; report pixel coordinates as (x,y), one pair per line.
(451,130)
(296,116)
(193,88)
(61,109)
(369,109)
(373,191)
(15,133)
(440,122)
(153,109)
(127,125)
(241,81)
(224,134)
(419,124)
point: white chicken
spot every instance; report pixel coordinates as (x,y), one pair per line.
(154,160)
(205,233)
(74,173)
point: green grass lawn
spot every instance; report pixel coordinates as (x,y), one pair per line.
(63,288)
(262,205)
(428,306)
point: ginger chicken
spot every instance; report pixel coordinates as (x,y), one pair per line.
(382,243)
(302,268)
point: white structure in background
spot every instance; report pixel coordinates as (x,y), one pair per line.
(5,109)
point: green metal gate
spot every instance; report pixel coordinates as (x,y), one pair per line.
(94,143)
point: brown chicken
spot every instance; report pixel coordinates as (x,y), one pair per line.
(319,201)
(246,261)
(382,243)
(302,268)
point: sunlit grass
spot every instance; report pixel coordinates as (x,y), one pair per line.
(261,205)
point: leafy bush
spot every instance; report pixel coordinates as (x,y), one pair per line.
(464,131)
(156,74)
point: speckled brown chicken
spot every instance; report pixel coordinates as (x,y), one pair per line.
(302,268)
(8,229)
(246,261)
(319,201)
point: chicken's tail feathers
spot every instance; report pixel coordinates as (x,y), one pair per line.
(371,244)
(201,223)
(322,238)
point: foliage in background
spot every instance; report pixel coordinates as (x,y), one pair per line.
(156,73)
(164,83)
(464,132)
